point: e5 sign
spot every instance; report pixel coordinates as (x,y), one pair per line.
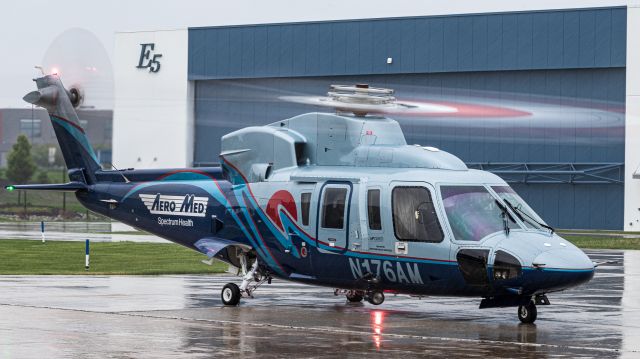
(148,59)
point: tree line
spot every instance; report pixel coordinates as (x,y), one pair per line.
(21,162)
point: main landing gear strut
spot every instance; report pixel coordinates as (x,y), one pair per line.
(252,279)
(374,297)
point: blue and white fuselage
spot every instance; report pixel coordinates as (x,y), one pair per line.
(268,218)
(336,200)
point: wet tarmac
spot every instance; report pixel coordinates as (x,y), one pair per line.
(75,231)
(182,316)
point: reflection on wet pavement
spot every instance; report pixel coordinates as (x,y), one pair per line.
(182,316)
(75,231)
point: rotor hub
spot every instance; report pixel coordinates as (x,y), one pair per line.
(364,98)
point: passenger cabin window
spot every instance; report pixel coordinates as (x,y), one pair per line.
(333,208)
(305,204)
(373,209)
(414,215)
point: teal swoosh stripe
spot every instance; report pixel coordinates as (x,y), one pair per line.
(79,136)
(205,183)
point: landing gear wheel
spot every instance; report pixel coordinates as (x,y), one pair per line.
(230,294)
(527,313)
(354,296)
(375,298)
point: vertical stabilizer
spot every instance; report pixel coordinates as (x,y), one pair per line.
(78,154)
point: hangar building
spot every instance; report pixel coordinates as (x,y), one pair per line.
(547,99)
(35,124)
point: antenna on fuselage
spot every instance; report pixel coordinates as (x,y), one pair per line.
(126,180)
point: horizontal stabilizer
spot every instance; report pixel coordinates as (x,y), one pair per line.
(223,250)
(212,246)
(63,187)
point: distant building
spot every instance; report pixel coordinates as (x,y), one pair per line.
(540,97)
(37,127)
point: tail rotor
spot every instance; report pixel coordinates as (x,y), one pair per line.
(78,154)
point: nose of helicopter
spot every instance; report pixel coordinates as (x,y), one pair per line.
(563,268)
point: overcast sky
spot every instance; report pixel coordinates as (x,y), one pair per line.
(29,26)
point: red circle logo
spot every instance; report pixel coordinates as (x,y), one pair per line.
(303,252)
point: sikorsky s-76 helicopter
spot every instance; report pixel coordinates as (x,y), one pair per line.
(333,199)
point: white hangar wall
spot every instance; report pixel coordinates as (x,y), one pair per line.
(153,111)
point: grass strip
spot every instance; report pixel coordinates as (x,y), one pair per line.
(28,257)
(603,242)
(19,257)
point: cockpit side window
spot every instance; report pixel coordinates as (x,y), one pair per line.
(414,215)
(473,212)
(373,209)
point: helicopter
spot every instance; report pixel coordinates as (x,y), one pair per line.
(335,199)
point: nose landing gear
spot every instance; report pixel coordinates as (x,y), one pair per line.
(527,310)
(528,313)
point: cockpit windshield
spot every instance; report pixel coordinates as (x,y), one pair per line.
(526,214)
(473,212)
